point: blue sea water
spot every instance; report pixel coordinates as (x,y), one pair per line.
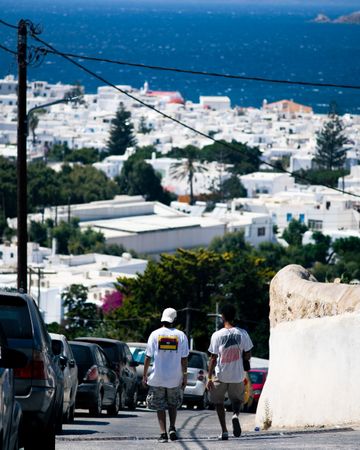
(260,39)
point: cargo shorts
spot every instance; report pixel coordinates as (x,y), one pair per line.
(235,392)
(161,398)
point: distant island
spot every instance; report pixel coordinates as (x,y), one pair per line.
(353,18)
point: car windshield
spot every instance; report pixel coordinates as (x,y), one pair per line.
(15,318)
(195,360)
(139,354)
(256,377)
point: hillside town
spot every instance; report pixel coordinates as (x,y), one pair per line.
(280,130)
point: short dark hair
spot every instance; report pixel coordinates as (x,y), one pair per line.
(228,312)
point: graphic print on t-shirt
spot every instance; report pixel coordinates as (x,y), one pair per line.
(168,343)
(230,348)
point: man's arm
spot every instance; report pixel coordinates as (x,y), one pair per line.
(247,355)
(211,367)
(184,365)
(146,368)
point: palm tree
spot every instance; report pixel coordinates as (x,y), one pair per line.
(187,168)
(33,122)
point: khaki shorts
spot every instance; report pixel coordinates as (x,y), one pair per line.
(161,398)
(235,392)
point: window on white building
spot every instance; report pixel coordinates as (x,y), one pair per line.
(261,231)
(315,224)
(288,217)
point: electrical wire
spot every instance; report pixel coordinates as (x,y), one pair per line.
(212,74)
(194,130)
(7,24)
(8,50)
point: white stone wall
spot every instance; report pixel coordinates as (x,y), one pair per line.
(314,368)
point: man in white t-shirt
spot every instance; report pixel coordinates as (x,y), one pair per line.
(228,347)
(169,349)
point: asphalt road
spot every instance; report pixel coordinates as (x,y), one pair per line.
(197,430)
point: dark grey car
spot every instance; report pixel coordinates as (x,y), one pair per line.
(123,363)
(38,385)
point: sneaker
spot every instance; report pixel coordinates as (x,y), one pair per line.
(224,436)
(172,434)
(163,438)
(236,426)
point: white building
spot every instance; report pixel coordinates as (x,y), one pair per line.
(266,183)
(50,274)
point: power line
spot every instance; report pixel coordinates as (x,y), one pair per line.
(194,130)
(212,74)
(7,24)
(8,50)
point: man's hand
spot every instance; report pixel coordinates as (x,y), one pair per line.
(144,380)
(209,384)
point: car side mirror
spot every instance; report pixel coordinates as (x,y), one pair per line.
(56,347)
(63,360)
(12,359)
(72,363)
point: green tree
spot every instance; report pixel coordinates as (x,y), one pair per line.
(330,141)
(33,122)
(7,192)
(83,155)
(139,178)
(187,169)
(44,186)
(294,232)
(233,188)
(81,316)
(121,132)
(144,128)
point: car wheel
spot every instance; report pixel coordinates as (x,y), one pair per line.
(114,408)
(96,408)
(59,418)
(133,402)
(44,440)
(203,403)
(122,397)
(71,416)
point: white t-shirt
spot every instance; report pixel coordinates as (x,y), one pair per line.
(167,346)
(228,344)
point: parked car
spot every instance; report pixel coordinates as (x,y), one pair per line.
(124,365)
(195,392)
(258,378)
(10,410)
(38,385)
(98,386)
(138,350)
(70,371)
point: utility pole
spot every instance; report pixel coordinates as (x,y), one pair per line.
(21,159)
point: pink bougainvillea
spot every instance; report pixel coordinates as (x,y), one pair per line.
(112,301)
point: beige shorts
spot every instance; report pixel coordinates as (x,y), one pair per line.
(235,392)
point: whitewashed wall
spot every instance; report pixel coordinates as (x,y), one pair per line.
(314,367)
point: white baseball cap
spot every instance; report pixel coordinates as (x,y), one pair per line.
(169,315)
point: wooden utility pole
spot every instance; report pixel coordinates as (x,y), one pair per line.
(21,159)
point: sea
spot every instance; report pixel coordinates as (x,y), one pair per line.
(260,39)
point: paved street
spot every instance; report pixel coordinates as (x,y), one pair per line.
(197,430)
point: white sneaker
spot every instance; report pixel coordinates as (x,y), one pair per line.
(236,426)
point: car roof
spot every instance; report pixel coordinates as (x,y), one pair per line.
(137,344)
(84,344)
(98,339)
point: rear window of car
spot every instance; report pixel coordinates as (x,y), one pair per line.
(82,354)
(139,354)
(195,360)
(111,350)
(15,317)
(256,377)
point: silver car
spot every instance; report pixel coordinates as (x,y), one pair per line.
(70,371)
(195,393)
